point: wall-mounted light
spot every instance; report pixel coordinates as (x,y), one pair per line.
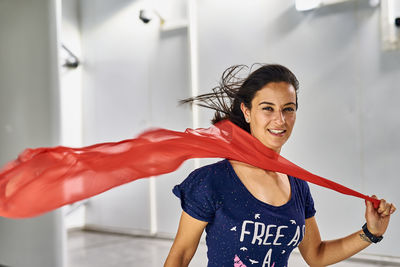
(305,5)
(71,61)
(147,15)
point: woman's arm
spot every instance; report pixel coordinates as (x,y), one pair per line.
(321,253)
(186,241)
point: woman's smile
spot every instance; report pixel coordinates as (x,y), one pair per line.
(277,132)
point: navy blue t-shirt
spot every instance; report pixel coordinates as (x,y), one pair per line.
(242,230)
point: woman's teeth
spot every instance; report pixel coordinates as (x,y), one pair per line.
(276,131)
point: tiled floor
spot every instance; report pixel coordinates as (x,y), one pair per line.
(94,249)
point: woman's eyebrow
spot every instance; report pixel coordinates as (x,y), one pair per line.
(272,104)
(267,103)
(290,103)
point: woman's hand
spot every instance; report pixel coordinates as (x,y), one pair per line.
(378,219)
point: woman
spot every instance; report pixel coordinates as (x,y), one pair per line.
(255,217)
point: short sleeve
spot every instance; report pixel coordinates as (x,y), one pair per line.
(309,202)
(197,195)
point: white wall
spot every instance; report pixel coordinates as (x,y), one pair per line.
(347,120)
(29,117)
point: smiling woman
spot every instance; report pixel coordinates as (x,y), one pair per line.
(251,215)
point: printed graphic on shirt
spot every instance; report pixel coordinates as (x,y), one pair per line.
(276,238)
(238,262)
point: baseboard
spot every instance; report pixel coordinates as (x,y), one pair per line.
(379,260)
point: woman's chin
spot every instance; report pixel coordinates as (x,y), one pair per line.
(274,147)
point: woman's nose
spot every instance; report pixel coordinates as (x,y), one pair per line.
(279,117)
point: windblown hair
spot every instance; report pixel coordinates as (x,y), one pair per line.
(233,90)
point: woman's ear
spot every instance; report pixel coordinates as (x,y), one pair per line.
(246,112)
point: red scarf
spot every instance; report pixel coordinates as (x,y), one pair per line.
(43,179)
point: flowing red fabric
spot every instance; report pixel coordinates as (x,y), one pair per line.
(43,179)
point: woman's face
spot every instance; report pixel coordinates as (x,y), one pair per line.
(272,114)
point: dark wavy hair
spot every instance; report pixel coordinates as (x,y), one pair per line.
(234,90)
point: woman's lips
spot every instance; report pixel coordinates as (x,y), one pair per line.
(277,132)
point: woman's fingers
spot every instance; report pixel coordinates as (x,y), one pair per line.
(392,208)
(382,206)
(385,209)
(369,206)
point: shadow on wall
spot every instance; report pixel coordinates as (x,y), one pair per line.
(107,9)
(290,19)
(389,61)
(173,33)
(343,7)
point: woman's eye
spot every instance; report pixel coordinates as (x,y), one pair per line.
(268,108)
(288,109)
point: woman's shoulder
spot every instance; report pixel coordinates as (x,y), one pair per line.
(301,185)
(207,173)
(199,192)
(218,167)
(302,193)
